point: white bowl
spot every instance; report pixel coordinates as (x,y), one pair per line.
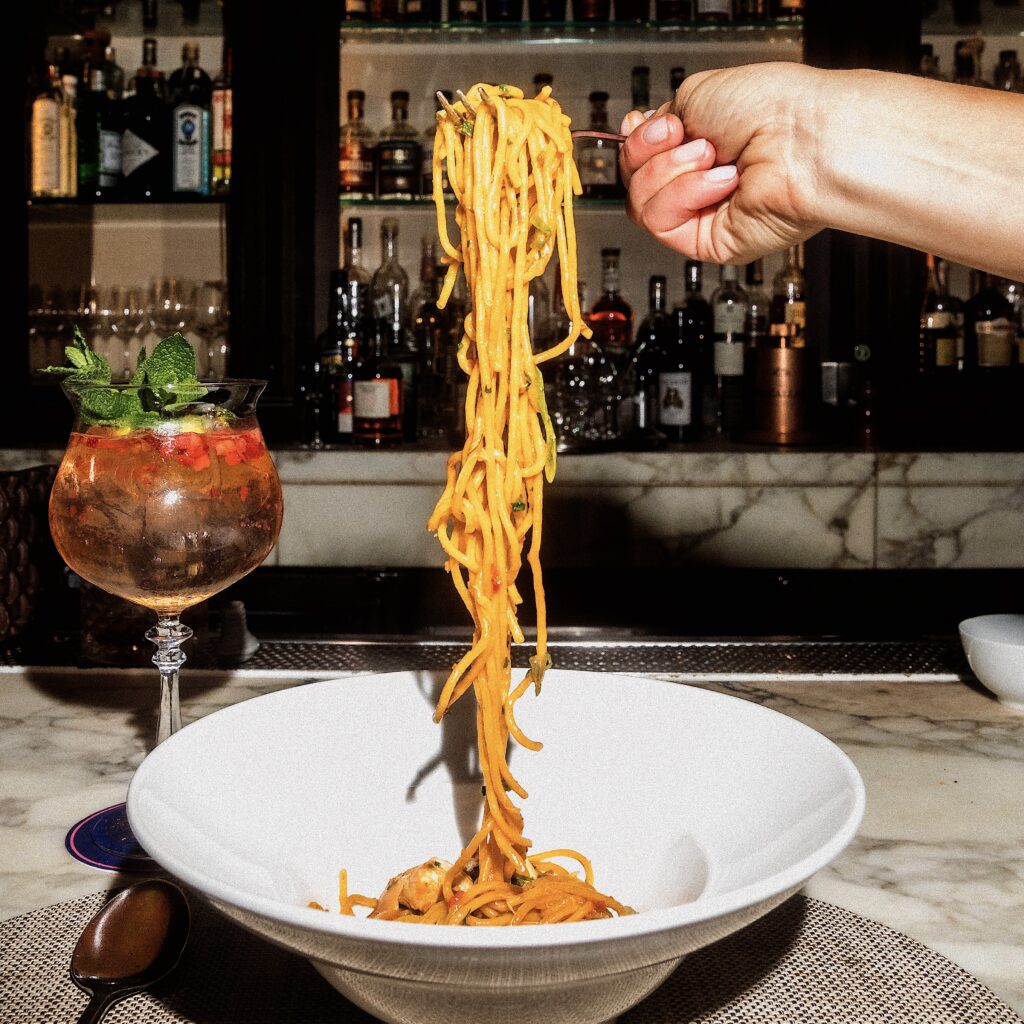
(702,811)
(994,645)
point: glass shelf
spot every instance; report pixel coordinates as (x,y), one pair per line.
(607,34)
(426,203)
(994,20)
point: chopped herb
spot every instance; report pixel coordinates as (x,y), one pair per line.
(541,225)
(466,127)
(504,88)
(435,863)
(520,880)
(518,506)
(506,662)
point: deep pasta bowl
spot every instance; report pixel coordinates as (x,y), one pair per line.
(700,810)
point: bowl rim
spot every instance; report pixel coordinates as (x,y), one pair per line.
(966,626)
(537,937)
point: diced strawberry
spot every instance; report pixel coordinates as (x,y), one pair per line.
(243,492)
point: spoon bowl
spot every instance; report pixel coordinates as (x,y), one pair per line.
(133,941)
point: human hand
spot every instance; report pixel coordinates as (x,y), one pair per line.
(730,172)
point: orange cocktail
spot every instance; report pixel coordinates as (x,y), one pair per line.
(169,515)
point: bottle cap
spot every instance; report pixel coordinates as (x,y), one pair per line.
(598,97)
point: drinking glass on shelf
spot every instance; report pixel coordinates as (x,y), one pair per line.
(164,514)
(103,330)
(134,328)
(38,323)
(211,328)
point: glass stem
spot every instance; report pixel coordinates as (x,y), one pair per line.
(168,634)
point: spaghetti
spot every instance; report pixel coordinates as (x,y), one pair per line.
(509,163)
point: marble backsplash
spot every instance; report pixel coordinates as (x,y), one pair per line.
(846,510)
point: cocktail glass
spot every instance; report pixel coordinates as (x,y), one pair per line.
(164,515)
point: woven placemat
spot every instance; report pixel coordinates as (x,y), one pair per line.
(806,963)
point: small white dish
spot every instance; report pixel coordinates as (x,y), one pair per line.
(702,811)
(994,645)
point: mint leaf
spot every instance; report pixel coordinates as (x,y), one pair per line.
(172,362)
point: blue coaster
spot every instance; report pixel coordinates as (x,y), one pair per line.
(104,840)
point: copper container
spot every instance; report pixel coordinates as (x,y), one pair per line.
(784,388)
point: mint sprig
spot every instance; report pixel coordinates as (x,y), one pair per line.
(164,383)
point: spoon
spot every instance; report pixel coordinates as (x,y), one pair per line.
(133,941)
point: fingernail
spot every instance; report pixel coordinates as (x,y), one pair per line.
(648,114)
(656,131)
(689,152)
(719,174)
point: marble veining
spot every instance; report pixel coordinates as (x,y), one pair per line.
(939,856)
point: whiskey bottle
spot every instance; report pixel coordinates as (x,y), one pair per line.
(377,399)
(989,333)
(937,337)
(355,151)
(758,305)
(598,159)
(47,125)
(788,304)
(641,382)
(399,162)
(729,307)
(338,362)
(357,307)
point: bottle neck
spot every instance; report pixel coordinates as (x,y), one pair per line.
(399,112)
(355,254)
(388,248)
(355,110)
(610,282)
(599,117)
(656,297)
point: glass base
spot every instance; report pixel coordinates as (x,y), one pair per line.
(104,840)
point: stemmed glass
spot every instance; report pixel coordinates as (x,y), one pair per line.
(164,515)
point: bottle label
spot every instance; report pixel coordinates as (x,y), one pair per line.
(796,313)
(728,359)
(190,149)
(135,152)
(399,168)
(221,111)
(45,147)
(345,402)
(730,318)
(714,7)
(376,399)
(110,158)
(937,320)
(675,399)
(995,342)
(355,166)
(945,351)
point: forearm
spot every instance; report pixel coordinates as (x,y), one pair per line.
(930,165)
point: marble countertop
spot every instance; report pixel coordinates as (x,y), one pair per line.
(940,854)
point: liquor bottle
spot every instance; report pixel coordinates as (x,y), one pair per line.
(221,103)
(967,62)
(149,61)
(114,75)
(956,308)
(358,304)
(547,10)
(68,135)
(632,10)
(504,10)
(642,380)
(759,302)
(465,10)
(699,322)
(673,10)
(191,93)
(989,332)
(937,338)
(676,77)
(929,66)
(145,144)
(591,10)
(714,11)
(427,159)
(598,159)
(611,317)
(338,361)
(389,293)
(435,376)
(729,307)
(1007,76)
(398,153)
(355,151)
(377,398)
(47,126)
(679,379)
(789,10)
(640,87)
(423,10)
(90,112)
(541,79)
(788,304)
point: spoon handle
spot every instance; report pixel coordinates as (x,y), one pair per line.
(99,1003)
